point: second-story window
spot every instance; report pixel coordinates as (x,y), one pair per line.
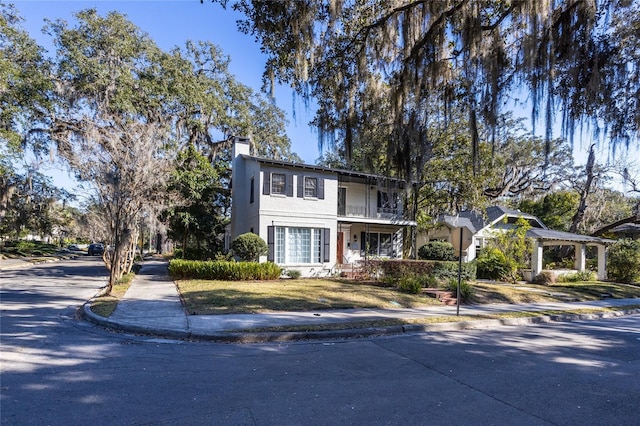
(278,183)
(311,187)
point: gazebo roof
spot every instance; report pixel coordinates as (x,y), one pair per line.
(551,235)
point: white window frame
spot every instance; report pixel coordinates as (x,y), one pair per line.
(311,192)
(288,246)
(275,190)
(378,238)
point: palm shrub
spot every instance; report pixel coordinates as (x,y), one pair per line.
(466,290)
(492,264)
(249,247)
(410,284)
(624,261)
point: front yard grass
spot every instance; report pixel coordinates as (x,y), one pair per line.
(202,297)
(486,292)
(206,297)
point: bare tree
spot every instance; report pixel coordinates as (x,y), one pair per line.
(125,165)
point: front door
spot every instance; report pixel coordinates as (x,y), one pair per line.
(340,254)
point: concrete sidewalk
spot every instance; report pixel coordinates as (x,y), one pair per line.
(152,305)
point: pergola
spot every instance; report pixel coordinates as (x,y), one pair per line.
(548,237)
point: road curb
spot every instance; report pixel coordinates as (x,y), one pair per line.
(267,337)
(88,315)
(31,262)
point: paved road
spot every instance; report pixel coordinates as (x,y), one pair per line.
(60,371)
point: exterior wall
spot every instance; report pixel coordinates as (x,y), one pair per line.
(293,211)
(239,192)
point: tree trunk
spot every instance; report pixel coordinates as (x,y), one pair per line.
(582,207)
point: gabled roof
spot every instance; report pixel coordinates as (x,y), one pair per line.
(470,219)
(496,212)
(474,221)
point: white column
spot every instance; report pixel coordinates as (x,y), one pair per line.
(581,257)
(536,258)
(602,262)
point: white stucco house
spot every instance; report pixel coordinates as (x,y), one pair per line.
(477,229)
(316,220)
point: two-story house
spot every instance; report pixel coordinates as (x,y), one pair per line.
(315,219)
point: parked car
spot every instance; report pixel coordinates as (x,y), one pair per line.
(95,249)
(73,247)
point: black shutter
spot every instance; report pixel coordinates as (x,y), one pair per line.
(289,189)
(327,245)
(320,188)
(266,188)
(363,243)
(270,243)
(300,186)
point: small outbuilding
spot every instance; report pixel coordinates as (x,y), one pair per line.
(470,231)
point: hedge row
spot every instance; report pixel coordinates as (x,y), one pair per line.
(223,270)
(440,270)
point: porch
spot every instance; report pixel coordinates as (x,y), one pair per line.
(547,238)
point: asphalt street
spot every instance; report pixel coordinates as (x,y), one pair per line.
(58,370)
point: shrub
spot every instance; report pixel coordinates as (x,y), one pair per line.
(249,247)
(494,265)
(437,250)
(466,290)
(544,278)
(222,270)
(392,269)
(624,261)
(293,274)
(410,284)
(430,281)
(447,270)
(388,269)
(577,277)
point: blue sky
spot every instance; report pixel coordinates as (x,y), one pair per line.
(171,23)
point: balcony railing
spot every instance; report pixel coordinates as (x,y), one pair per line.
(373,213)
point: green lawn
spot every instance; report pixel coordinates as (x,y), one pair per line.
(204,297)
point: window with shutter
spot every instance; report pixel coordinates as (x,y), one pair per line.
(278,183)
(266,186)
(311,187)
(300,245)
(270,243)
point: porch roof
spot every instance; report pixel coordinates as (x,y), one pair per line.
(552,235)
